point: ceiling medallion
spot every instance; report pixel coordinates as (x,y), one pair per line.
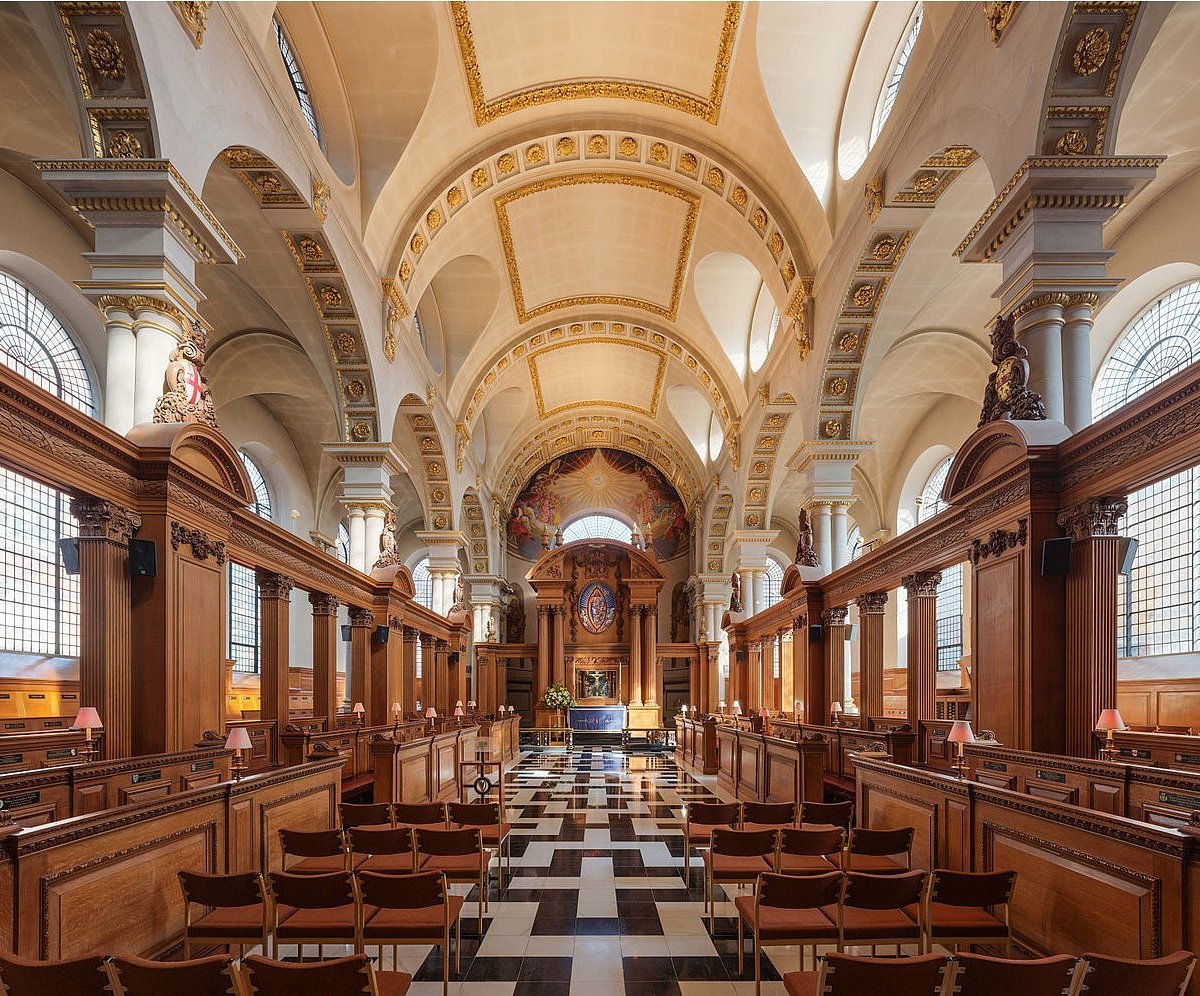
(331,297)
(310,248)
(361,431)
(454,196)
(479,178)
(863,295)
(346,344)
(124,145)
(832,428)
(355,390)
(506,163)
(759,219)
(628,146)
(598,145)
(688,163)
(848,343)
(105,54)
(659,152)
(433,220)
(883,248)
(534,155)
(1072,143)
(1091,51)
(565,146)
(923,183)
(417,244)
(838,386)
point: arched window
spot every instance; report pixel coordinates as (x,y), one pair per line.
(292,66)
(774,582)
(261,506)
(949,612)
(930,502)
(597,526)
(343,543)
(854,543)
(39,601)
(37,346)
(1160,342)
(895,76)
(423,583)
(245,634)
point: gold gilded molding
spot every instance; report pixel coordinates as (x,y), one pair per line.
(193,15)
(576,179)
(655,392)
(485,110)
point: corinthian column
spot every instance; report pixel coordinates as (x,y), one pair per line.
(871,608)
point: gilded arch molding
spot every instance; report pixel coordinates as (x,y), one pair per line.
(435,471)
(474,524)
(669,344)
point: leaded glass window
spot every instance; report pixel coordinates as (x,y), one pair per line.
(261,505)
(299,86)
(597,527)
(423,583)
(245,634)
(895,76)
(774,582)
(343,543)
(950,618)
(931,495)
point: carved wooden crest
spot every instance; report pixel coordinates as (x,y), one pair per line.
(1007,394)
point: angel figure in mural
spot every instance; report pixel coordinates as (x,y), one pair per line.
(806,556)
(543,532)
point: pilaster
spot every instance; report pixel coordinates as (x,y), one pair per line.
(324,655)
(871,610)
(359,686)
(922,647)
(274,603)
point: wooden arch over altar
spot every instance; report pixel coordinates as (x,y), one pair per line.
(597,607)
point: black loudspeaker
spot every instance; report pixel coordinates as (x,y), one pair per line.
(740,655)
(454,655)
(68,551)
(346,633)
(143,558)
(1056,556)
(381,634)
(1129,548)
(851,630)
(816,633)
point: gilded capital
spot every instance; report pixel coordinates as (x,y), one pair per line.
(323,604)
(1094,517)
(923,584)
(105,520)
(873,602)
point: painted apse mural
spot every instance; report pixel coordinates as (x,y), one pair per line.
(598,480)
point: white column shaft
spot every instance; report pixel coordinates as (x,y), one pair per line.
(1041,333)
(821,537)
(154,345)
(840,554)
(372,531)
(1077,366)
(120,371)
(357,539)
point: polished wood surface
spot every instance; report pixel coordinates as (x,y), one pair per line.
(425,769)
(759,767)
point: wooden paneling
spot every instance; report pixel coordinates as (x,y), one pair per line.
(995,645)
(200,675)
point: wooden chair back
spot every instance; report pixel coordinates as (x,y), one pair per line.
(211,976)
(982,975)
(849,975)
(1169,976)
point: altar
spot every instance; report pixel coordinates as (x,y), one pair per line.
(585,719)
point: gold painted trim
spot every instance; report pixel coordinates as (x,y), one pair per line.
(576,179)
(655,391)
(707,109)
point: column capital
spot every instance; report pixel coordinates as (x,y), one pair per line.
(923,584)
(99,519)
(872,603)
(273,585)
(323,604)
(835,616)
(411,633)
(799,622)
(361,617)
(1094,517)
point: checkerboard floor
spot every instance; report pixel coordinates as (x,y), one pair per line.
(596,902)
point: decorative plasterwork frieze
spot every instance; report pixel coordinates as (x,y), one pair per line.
(267,183)
(193,15)
(475,526)
(706,107)
(561,152)
(757,499)
(435,472)
(718,530)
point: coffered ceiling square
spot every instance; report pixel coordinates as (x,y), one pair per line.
(618,373)
(597,238)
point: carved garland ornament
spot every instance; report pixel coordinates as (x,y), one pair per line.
(202,547)
(999,541)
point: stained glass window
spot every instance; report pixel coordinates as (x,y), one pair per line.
(261,505)
(895,76)
(300,87)
(245,637)
(597,527)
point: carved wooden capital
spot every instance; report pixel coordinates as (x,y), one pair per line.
(197,539)
(104,520)
(923,584)
(1094,517)
(799,622)
(361,617)
(835,617)
(272,585)
(322,604)
(411,634)
(873,602)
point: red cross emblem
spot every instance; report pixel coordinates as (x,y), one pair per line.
(193,386)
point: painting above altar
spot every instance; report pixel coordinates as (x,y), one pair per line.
(598,479)
(596,684)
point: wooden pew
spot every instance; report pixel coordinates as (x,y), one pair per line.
(500,738)
(107,882)
(758,767)
(422,770)
(301,743)
(696,744)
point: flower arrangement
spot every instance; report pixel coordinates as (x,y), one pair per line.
(558,696)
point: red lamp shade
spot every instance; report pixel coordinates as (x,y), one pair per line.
(238,739)
(87,719)
(431,713)
(961,733)
(1110,719)
(358,709)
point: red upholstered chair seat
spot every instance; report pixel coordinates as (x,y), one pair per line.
(863,924)
(777,923)
(739,865)
(765,826)
(492,833)
(390,864)
(392,983)
(423,922)
(211,976)
(874,864)
(800,983)
(954,921)
(231,921)
(322,865)
(452,864)
(334,921)
(805,864)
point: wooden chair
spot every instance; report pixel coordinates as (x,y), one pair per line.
(264,977)
(370,814)
(488,818)
(239,911)
(420,815)
(788,909)
(383,849)
(881,909)
(980,975)
(957,905)
(847,975)
(1101,975)
(768,815)
(879,852)
(320,851)
(460,855)
(411,909)
(736,857)
(699,819)
(811,852)
(77,976)
(826,814)
(314,909)
(209,976)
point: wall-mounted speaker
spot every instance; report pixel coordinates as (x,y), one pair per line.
(345,633)
(1129,548)
(143,558)
(851,630)
(381,634)
(68,552)
(816,633)
(740,656)
(454,656)
(1056,556)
